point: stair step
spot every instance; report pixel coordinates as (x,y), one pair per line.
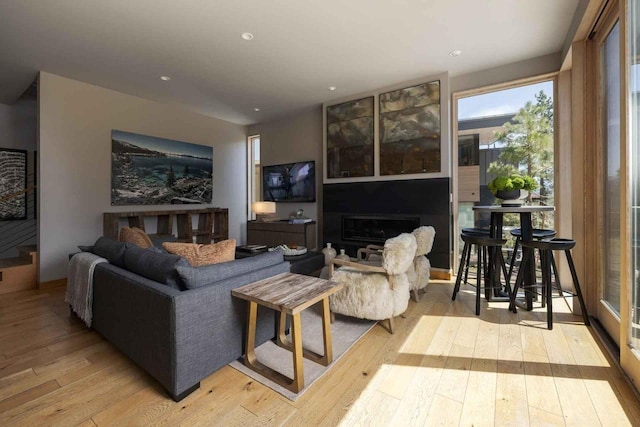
(14,262)
(27,249)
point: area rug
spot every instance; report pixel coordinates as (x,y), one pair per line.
(345,332)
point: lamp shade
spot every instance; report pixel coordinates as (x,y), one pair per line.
(263,207)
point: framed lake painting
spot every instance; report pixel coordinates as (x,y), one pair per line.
(410,130)
(146,170)
(13,184)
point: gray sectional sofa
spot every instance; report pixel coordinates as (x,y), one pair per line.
(177,322)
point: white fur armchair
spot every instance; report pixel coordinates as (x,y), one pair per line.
(418,273)
(371,291)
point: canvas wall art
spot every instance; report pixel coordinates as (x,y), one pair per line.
(146,170)
(350,139)
(410,130)
(13,184)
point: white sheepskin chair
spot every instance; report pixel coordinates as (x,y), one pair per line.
(375,292)
(418,273)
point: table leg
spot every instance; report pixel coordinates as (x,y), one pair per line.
(530,275)
(298,369)
(493,276)
(326,333)
(281,339)
(323,359)
(252,362)
(250,357)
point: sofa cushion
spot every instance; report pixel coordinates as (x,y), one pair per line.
(136,236)
(195,277)
(199,255)
(155,266)
(112,250)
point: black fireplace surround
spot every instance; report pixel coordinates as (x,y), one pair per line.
(357,214)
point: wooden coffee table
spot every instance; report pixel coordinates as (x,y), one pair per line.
(289,294)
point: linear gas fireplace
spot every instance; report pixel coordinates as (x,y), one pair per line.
(376,228)
(356,214)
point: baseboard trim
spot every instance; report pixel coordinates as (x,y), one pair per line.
(440,274)
(52,284)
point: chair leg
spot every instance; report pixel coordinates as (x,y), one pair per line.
(576,283)
(546,284)
(479,281)
(513,258)
(543,289)
(332,317)
(391,326)
(467,263)
(557,276)
(456,288)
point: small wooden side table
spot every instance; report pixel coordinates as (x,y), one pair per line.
(289,294)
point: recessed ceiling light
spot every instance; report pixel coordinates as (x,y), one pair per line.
(332,88)
(256,109)
(165,78)
(247,36)
(455,53)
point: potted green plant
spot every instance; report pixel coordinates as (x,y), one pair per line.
(511,188)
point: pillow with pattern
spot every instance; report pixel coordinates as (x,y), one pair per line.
(198,255)
(136,236)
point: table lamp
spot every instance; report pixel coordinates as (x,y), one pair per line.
(265,211)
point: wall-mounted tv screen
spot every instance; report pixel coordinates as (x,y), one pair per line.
(293,182)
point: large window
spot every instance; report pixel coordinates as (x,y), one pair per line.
(254,189)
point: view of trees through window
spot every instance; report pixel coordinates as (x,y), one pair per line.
(513,130)
(528,149)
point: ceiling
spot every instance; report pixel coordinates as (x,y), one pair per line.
(300,48)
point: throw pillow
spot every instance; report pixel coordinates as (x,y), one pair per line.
(160,267)
(111,250)
(136,236)
(198,255)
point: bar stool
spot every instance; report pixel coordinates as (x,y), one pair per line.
(472,231)
(482,243)
(537,234)
(546,248)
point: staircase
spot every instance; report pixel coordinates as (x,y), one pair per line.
(17,237)
(19,273)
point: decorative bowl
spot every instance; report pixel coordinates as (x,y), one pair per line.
(300,250)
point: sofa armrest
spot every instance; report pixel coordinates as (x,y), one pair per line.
(211,326)
(137,316)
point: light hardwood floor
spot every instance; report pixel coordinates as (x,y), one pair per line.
(443,366)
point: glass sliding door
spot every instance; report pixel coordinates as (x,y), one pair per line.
(630,353)
(608,69)
(610,98)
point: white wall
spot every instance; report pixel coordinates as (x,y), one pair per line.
(294,139)
(508,72)
(76,120)
(18,127)
(18,124)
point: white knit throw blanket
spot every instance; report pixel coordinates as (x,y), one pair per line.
(80,284)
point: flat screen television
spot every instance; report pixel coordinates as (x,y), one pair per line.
(292,182)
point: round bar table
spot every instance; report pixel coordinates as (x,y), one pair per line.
(497,214)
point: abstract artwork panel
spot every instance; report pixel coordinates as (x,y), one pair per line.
(13,184)
(146,170)
(410,130)
(350,132)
